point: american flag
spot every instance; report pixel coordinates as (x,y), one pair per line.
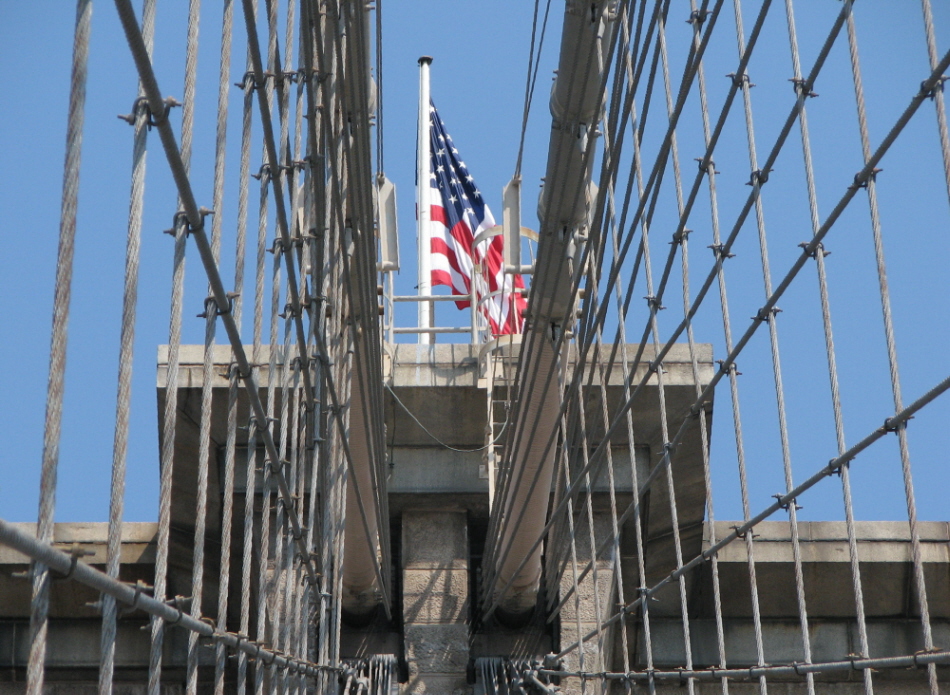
(458,214)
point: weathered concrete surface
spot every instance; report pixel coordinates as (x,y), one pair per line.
(884,553)
(591,603)
(435,601)
(68,599)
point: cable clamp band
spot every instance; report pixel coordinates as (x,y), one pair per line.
(247,82)
(169,103)
(815,250)
(931,92)
(177,603)
(176,221)
(709,166)
(211,303)
(76,551)
(891,426)
(290,311)
(278,245)
(263,174)
(766,314)
(739,80)
(759,177)
(654,303)
(726,369)
(743,534)
(697,17)
(140,588)
(861,179)
(800,85)
(719,251)
(139,106)
(680,236)
(786,505)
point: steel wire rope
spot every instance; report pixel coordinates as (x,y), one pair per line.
(208,375)
(196,230)
(703,425)
(438,441)
(758,179)
(909,661)
(869,182)
(370,357)
(631,451)
(589,510)
(334,398)
(661,387)
(724,250)
(224,574)
(62,291)
(531,77)
(832,361)
(560,508)
(939,103)
(592,298)
(491,561)
(831,468)
(139,119)
(856,582)
(572,546)
(383,583)
(179,230)
(250,472)
(507,470)
(807,251)
(133,595)
(687,74)
(610,152)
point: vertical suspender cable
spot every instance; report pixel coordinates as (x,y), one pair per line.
(39,604)
(139,118)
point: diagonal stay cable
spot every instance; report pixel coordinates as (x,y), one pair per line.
(891,424)
(132,595)
(807,251)
(195,218)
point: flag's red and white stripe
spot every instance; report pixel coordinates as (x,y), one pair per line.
(457,216)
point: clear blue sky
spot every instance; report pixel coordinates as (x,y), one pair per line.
(480,52)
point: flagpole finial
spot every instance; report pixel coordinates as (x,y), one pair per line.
(425,60)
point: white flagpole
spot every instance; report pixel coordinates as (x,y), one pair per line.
(422,204)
